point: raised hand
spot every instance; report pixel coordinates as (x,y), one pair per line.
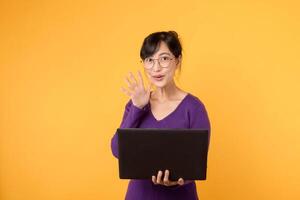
(139,95)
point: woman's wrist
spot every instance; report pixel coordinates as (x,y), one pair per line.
(141,107)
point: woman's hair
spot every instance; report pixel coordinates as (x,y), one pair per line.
(151,43)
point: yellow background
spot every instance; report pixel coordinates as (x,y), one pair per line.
(62,64)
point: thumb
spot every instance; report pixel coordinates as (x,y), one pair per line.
(149,87)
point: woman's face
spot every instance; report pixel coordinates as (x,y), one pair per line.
(162,74)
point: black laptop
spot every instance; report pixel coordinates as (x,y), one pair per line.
(145,151)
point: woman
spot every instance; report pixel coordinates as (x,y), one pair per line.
(166,107)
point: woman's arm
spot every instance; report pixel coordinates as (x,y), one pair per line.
(198,119)
(131,119)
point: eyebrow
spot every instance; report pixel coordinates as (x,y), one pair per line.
(164,53)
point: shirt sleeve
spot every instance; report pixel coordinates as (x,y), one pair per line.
(198,118)
(131,118)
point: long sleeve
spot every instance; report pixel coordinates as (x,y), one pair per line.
(131,118)
(198,118)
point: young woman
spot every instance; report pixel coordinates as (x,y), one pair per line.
(167,106)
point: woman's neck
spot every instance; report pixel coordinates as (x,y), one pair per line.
(166,93)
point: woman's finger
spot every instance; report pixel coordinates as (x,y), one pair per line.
(166,177)
(126,91)
(171,183)
(149,86)
(158,179)
(154,180)
(132,78)
(180,181)
(129,84)
(140,79)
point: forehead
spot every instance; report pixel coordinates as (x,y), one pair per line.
(162,50)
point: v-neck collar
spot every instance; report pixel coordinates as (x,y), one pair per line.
(171,113)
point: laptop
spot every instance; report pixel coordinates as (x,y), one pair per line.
(145,151)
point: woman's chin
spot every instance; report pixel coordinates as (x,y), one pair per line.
(159,84)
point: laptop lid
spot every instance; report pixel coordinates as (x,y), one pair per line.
(145,151)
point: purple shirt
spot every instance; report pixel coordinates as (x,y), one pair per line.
(190,113)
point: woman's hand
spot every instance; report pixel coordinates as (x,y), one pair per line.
(165,180)
(137,92)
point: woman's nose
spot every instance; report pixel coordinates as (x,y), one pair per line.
(156,66)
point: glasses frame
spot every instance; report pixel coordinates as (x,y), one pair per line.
(171,58)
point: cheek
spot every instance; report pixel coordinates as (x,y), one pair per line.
(171,74)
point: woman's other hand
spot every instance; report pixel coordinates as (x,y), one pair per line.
(165,180)
(139,95)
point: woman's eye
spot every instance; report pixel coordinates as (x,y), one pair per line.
(148,60)
(165,58)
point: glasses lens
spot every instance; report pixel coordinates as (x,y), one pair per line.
(164,61)
(148,63)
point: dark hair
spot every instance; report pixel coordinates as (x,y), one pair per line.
(151,43)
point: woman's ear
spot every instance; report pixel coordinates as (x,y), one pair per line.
(178,60)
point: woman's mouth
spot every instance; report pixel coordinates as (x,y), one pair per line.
(158,77)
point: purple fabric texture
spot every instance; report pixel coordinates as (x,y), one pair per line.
(190,113)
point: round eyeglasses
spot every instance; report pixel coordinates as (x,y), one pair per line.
(163,61)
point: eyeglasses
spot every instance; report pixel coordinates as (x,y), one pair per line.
(163,61)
